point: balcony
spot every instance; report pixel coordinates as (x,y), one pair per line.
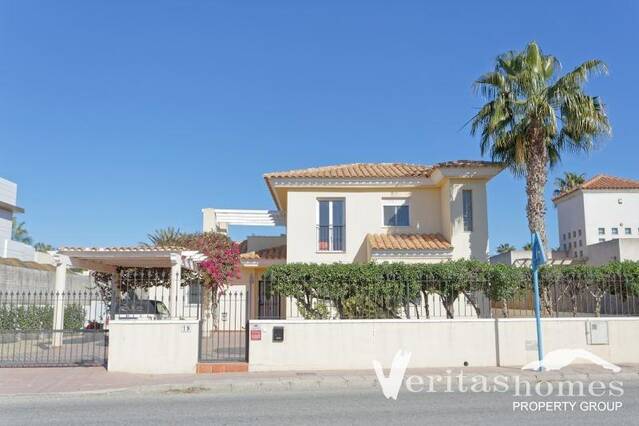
(330,238)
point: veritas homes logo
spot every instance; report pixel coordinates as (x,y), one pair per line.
(391,384)
(518,386)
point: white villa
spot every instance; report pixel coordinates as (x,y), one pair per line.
(366,212)
(599,220)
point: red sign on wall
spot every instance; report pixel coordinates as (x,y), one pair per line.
(256,334)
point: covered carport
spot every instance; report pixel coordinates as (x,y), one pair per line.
(142,343)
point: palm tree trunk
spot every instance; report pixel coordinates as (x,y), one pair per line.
(536,179)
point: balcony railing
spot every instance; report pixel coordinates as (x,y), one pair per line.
(330,237)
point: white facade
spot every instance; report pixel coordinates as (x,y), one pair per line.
(432,210)
(587,217)
(8,207)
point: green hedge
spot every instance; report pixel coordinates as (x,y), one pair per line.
(380,290)
(35,318)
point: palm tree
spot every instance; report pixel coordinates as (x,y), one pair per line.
(165,237)
(19,232)
(527,246)
(505,248)
(532,118)
(568,182)
(43,247)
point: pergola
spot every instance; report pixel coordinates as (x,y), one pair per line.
(109,259)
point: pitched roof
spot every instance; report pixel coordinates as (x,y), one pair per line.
(408,242)
(135,249)
(270,253)
(602,182)
(375,170)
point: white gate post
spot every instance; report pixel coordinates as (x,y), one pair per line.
(58,307)
(174,291)
(115,292)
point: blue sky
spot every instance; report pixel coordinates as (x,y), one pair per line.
(117,118)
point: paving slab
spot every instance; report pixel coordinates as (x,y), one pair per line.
(73,380)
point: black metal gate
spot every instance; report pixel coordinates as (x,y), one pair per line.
(269,304)
(49,329)
(223,325)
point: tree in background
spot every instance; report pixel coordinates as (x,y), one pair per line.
(532,118)
(505,248)
(43,247)
(569,181)
(166,237)
(527,246)
(19,232)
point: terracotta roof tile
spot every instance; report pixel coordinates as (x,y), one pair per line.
(271,253)
(408,242)
(357,170)
(603,182)
(9,261)
(375,170)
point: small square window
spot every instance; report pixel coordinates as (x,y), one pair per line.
(628,231)
(615,231)
(602,231)
(396,212)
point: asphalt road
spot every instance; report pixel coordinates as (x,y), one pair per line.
(334,407)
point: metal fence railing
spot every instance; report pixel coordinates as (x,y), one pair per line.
(47,328)
(559,299)
(572,299)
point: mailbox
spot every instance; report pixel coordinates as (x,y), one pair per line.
(278,334)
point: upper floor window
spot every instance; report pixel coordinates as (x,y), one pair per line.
(602,231)
(574,234)
(579,232)
(396,212)
(628,231)
(564,237)
(467,201)
(330,225)
(615,231)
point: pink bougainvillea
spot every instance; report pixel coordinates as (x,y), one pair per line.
(223,258)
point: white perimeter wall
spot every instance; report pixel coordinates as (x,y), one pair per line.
(353,344)
(153,347)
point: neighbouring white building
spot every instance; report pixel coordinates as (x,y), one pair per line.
(8,247)
(599,220)
(366,212)
(8,208)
